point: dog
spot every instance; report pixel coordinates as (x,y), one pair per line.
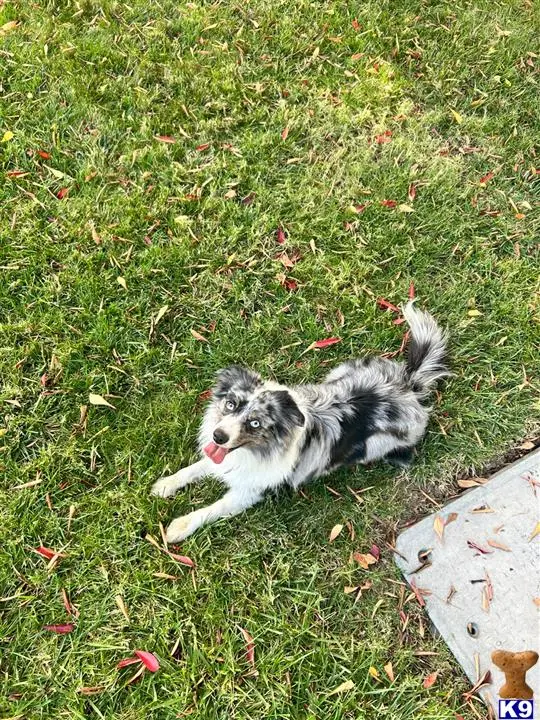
(258,434)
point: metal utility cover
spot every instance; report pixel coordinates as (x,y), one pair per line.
(488,589)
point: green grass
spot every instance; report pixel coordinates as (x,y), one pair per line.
(92,84)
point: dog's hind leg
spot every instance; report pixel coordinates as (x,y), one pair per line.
(232,503)
(167,486)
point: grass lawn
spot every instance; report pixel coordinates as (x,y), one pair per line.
(149,152)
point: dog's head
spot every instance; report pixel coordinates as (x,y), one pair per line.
(252,414)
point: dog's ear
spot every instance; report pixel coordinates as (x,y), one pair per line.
(290,408)
(239,378)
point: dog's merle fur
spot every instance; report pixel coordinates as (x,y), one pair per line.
(364,410)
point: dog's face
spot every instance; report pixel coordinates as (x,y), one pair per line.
(251,414)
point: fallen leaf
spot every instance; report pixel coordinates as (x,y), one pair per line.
(60,629)
(389,203)
(8,27)
(48,553)
(165,139)
(474,546)
(519,216)
(230,194)
(364,560)
(484,680)
(119,600)
(527,445)
(320,344)
(486,178)
(250,646)
(290,285)
(535,532)
(375,551)
(450,518)
(127,661)
(386,137)
(412,292)
(44,155)
(405,208)
(474,313)
(95,237)
(61,194)
(385,305)
(360,208)
(289,261)
(69,607)
(99,400)
(182,559)
(202,147)
(7,136)
(94,690)
(373,672)
(161,312)
(335,532)
(438,526)
(280,236)
(344,687)
(389,670)
(121,281)
(536,601)
(149,660)
(457,116)
(411,194)
(430,679)
(284,133)
(451,593)
(417,593)
(356,25)
(471,482)
(198,336)
(165,576)
(16,173)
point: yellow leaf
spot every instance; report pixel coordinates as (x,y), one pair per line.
(230,194)
(535,532)
(161,313)
(347,685)
(405,208)
(7,136)
(438,526)
(99,400)
(8,27)
(335,532)
(474,313)
(389,670)
(457,116)
(373,672)
(121,281)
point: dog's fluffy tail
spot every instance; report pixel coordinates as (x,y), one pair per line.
(426,355)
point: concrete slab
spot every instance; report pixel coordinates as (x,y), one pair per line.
(484,572)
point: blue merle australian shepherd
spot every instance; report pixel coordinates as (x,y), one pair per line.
(258,434)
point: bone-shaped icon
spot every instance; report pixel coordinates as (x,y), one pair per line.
(514,666)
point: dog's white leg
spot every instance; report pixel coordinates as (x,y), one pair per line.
(167,486)
(232,503)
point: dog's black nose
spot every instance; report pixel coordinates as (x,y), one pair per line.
(220,438)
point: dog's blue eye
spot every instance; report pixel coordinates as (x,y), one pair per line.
(230,405)
(254,423)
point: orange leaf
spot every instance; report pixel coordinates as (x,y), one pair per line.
(389,670)
(284,133)
(198,336)
(430,679)
(498,545)
(250,646)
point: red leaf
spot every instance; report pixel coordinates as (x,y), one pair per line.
(248,199)
(326,342)
(127,661)
(205,395)
(16,173)
(60,629)
(287,260)
(202,147)
(61,194)
(280,236)
(69,607)
(46,552)
(486,178)
(481,550)
(412,192)
(430,679)
(398,321)
(250,646)
(412,292)
(290,285)
(43,380)
(284,133)
(356,25)
(385,305)
(44,155)
(389,203)
(375,551)
(148,660)
(384,138)
(360,208)
(417,593)
(183,559)
(165,139)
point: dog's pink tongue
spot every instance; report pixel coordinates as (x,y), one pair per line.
(216,453)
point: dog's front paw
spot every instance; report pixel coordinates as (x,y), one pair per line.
(183,527)
(164,487)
